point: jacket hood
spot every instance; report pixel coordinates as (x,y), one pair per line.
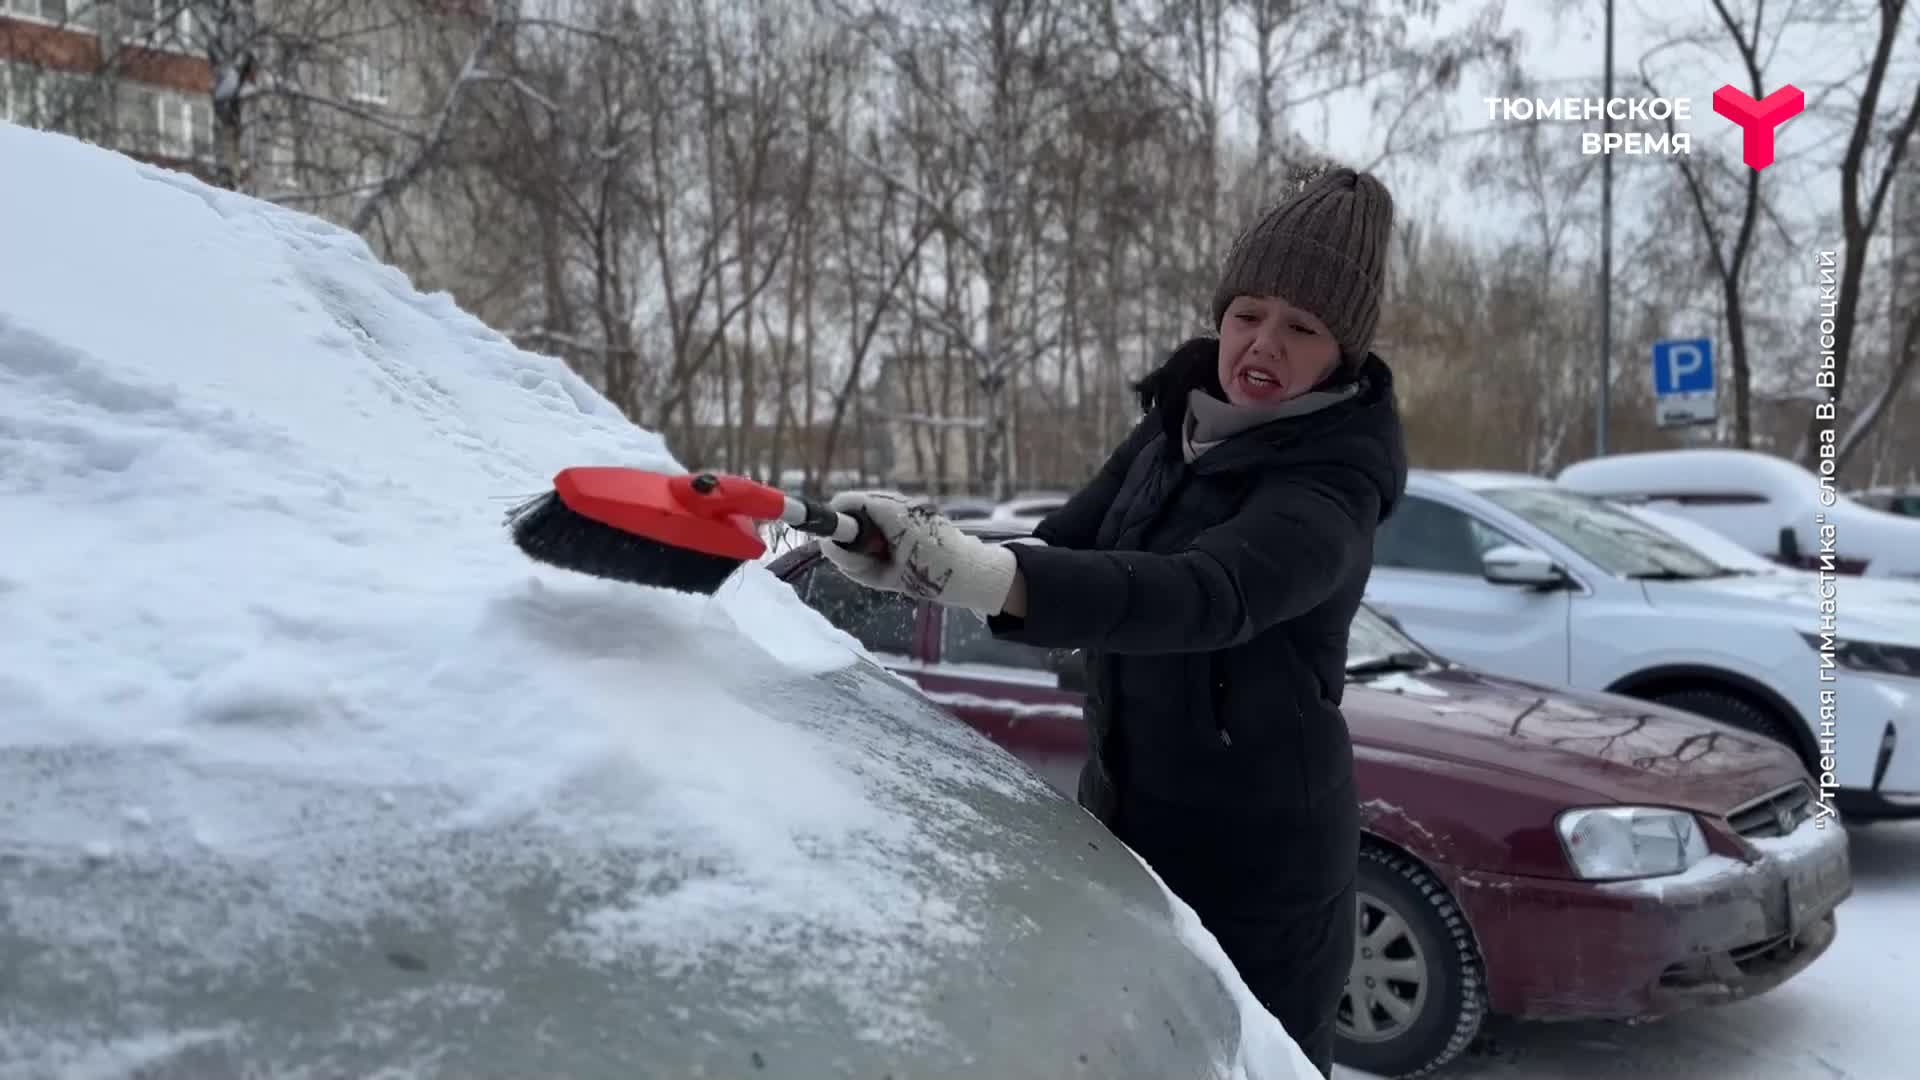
(1363,433)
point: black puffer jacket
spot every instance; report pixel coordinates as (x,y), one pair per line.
(1214,599)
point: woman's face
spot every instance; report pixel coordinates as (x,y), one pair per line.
(1271,351)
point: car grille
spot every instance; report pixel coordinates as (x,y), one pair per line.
(1776,814)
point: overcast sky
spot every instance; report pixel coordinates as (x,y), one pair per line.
(1568,50)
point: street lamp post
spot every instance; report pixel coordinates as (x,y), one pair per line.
(1606,254)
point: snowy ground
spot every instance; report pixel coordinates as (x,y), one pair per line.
(1848,1017)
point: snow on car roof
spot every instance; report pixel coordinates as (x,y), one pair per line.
(1685,468)
(269,652)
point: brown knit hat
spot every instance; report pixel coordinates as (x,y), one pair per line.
(1325,250)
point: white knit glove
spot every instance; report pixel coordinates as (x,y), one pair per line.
(929,557)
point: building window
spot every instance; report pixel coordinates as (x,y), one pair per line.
(53,11)
(51,100)
(164,123)
(372,170)
(16,103)
(23,96)
(366,78)
(185,127)
(283,169)
(157,24)
(139,110)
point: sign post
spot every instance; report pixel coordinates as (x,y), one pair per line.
(1684,390)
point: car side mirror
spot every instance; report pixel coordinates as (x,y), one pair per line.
(1394,621)
(1511,564)
(1069,666)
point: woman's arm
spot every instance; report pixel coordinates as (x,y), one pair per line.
(1282,555)
(1077,524)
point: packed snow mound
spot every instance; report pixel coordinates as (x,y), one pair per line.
(259,613)
(271,669)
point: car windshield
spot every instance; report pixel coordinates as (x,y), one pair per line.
(1373,645)
(1711,544)
(1612,538)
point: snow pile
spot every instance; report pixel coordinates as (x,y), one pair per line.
(269,664)
(262,627)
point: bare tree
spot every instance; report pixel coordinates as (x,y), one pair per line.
(1730,244)
(1880,139)
(1023,58)
(1546,322)
(939,241)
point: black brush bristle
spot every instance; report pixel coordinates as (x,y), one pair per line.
(548,531)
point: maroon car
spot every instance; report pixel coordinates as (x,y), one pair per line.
(1531,852)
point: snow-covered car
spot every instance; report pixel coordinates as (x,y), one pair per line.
(1718,547)
(1517,575)
(1529,852)
(1766,504)
(305,770)
(1901,500)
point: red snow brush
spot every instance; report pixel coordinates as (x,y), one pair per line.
(688,533)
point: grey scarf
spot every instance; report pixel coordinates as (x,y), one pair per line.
(1211,421)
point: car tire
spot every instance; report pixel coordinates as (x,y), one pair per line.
(1734,711)
(1408,924)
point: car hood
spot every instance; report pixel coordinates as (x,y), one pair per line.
(505,944)
(1614,748)
(1894,593)
(306,769)
(1861,610)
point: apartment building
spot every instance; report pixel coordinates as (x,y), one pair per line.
(333,87)
(121,73)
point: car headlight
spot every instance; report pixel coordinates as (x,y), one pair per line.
(1873,657)
(1613,842)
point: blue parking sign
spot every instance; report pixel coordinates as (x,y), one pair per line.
(1683,390)
(1683,366)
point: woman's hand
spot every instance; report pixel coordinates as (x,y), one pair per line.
(930,558)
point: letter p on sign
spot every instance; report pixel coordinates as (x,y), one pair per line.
(1758,119)
(1686,361)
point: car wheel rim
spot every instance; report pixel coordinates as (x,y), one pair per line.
(1387,984)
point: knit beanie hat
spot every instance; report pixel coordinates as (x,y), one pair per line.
(1324,249)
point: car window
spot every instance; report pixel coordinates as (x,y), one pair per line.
(965,639)
(1370,637)
(1426,535)
(881,621)
(1614,539)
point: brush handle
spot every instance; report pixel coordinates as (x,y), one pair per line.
(855,532)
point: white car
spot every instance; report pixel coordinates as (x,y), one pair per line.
(1766,504)
(1516,575)
(1716,546)
(1903,500)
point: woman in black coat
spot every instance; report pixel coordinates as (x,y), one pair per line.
(1210,571)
